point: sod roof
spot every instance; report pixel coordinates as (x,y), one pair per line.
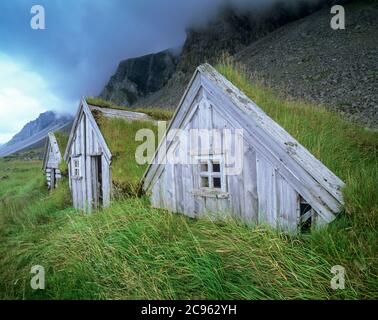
(118,128)
(62,139)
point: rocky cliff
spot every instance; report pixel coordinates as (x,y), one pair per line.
(138,77)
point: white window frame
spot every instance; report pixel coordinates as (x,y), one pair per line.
(76,168)
(209,174)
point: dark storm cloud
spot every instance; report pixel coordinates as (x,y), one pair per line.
(85,39)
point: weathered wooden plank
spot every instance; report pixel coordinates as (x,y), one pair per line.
(310,189)
(251,202)
(287,205)
(179,188)
(155,170)
(211,205)
(317,170)
(199,207)
(154,196)
(89,167)
(106,182)
(86,202)
(266,178)
(121,114)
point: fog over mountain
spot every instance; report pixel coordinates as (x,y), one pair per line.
(84,41)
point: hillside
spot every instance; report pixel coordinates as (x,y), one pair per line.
(230,30)
(336,68)
(132,251)
(293,51)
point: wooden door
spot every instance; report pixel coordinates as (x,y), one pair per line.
(96,178)
(52,179)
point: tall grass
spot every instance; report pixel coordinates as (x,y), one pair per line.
(349,150)
(131,250)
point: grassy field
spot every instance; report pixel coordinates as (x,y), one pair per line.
(131,251)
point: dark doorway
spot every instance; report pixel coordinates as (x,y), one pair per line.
(96,164)
(306,216)
(52,179)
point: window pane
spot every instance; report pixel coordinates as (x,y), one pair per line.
(217,183)
(204,167)
(204,182)
(216,167)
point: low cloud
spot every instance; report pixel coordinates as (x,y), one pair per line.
(85,40)
(23,96)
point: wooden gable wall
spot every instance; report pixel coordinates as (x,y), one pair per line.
(52,159)
(278,173)
(86,143)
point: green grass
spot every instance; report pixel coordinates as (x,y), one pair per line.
(94,101)
(120,137)
(131,251)
(348,150)
(62,139)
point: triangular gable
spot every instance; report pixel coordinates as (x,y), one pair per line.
(84,109)
(51,147)
(312,180)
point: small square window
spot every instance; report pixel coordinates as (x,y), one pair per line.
(76,168)
(217,183)
(210,174)
(216,167)
(204,167)
(204,182)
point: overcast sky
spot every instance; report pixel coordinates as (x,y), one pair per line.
(80,48)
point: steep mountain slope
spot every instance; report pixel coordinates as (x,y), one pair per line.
(138,77)
(307,59)
(229,31)
(35,132)
(292,49)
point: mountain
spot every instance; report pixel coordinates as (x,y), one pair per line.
(35,132)
(229,31)
(138,77)
(309,60)
(293,49)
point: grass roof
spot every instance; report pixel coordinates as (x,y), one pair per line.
(347,149)
(154,113)
(119,135)
(62,139)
